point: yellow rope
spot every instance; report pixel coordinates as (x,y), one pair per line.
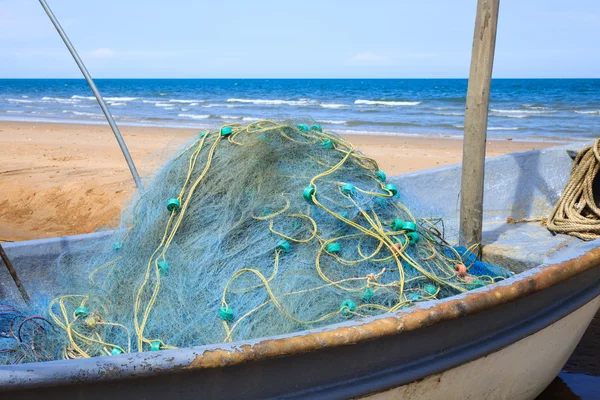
(87,342)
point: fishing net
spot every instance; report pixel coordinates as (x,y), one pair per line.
(249,231)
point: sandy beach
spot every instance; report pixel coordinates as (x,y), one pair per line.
(63,179)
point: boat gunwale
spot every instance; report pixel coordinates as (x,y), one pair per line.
(342,334)
(419,316)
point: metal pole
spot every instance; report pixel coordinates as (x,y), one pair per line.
(476,116)
(92,85)
(14,275)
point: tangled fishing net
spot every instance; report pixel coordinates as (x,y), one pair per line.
(250,231)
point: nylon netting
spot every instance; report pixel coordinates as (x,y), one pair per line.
(249,231)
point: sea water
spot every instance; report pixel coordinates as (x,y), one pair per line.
(519,108)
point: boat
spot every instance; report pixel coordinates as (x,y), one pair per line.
(507,340)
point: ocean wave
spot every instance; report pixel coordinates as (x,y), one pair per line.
(513,111)
(14,112)
(186,101)
(121,98)
(230,117)
(535,106)
(494,114)
(60,100)
(271,102)
(116,103)
(386,103)
(502,128)
(106,98)
(215,105)
(373,123)
(251,119)
(151,101)
(333,105)
(450,114)
(331,122)
(20,101)
(83,113)
(163,104)
(596,112)
(194,116)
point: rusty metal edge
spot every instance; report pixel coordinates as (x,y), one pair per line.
(470,303)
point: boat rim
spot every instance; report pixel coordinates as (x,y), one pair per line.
(419,316)
(561,267)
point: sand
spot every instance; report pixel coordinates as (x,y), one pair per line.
(65,179)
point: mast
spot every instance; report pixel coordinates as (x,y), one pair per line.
(92,85)
(476,117)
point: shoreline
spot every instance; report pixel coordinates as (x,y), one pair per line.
(63,179)
(491,136)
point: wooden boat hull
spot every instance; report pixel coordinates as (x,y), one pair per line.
(507,340)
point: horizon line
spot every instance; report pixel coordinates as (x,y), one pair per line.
(288,78)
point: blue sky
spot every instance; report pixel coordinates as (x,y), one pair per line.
(295,39)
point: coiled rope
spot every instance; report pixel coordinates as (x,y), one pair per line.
(577,213)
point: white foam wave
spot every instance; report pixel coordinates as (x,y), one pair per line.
(186,101)
(533,107)
(121,98)
(501,128)
(25,97)
(251,119)
(20,101)
(596,112)
(216,105)
(60,100)
(106,98)
(163,105)
(194,116)
(14,112)
(151,101)
(450,114)
(332,105)
(386,103)
(116,103)
(82,113)
(271,102)
(332,122)
(230,117)
(494,114)
(513,111)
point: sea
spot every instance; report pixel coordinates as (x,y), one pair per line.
(519,108)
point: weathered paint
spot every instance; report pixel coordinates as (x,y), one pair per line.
(505,374)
